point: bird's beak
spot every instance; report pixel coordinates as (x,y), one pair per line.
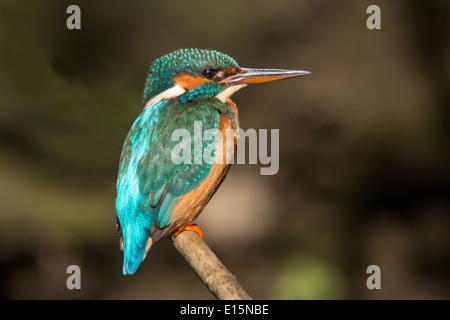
(262,75)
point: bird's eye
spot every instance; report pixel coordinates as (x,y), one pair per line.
(208,73)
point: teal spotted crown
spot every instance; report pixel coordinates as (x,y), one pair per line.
(183,61)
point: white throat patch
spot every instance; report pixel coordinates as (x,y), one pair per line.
(225,95)
(176,91)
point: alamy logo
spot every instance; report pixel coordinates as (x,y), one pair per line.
(258,148)
(74,20)
(74,280)
(374,20)
(374,280)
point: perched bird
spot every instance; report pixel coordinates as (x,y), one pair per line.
(157,196)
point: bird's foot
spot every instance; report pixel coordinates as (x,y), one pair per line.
(189,227)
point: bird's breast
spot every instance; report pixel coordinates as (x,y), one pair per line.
(187,207)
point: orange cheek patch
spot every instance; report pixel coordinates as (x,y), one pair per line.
(189,82)
(229,71)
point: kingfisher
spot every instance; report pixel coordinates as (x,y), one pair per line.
(157,196)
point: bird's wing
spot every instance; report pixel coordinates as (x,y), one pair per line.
(161,178)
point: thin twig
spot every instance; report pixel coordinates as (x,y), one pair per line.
(217,278)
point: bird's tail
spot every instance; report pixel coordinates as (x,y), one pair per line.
(134,253)
(132,259)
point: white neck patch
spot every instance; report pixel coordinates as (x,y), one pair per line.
(176,91)
(168,94)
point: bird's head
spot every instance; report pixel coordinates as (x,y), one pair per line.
(199,74)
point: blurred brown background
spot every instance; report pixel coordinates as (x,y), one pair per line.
(364,148)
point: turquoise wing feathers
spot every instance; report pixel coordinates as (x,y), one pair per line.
(149,178)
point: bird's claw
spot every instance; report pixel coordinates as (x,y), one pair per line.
(189,227)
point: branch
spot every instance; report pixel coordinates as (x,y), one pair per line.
(221,282)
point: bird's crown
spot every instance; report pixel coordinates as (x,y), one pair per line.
(188,68)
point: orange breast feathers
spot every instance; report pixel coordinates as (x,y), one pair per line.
(187,207)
